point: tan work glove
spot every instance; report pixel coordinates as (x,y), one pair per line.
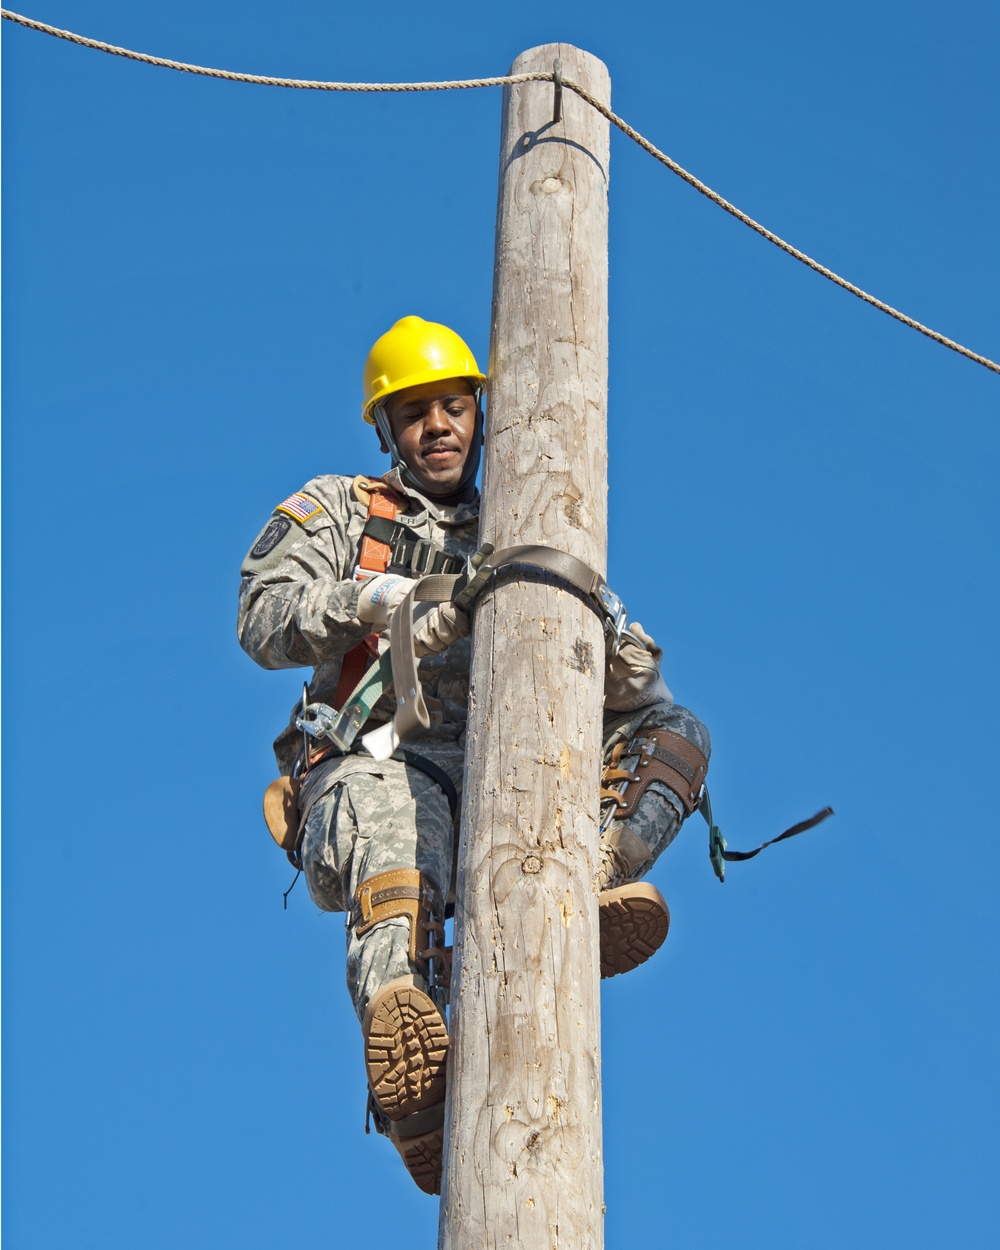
(632,678)
(436,626)
(380,596)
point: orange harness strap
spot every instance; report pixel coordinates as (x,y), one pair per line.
(373,557)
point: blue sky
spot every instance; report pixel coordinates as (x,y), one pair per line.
(803,510)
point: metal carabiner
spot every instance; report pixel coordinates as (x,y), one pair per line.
(616,618)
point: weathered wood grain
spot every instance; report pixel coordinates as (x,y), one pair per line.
(523,1163)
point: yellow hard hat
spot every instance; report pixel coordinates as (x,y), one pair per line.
(414,351)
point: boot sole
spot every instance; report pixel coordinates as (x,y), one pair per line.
(422,1157)
(634,922)
(406,1050)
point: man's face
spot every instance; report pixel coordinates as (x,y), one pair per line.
(434,426)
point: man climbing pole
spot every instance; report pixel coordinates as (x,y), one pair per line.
(376,837)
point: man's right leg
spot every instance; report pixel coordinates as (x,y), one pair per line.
(378,844)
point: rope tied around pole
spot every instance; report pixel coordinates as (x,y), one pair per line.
(555,77)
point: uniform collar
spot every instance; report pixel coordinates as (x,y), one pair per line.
(458,514)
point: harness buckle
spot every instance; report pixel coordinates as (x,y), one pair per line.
(616,618)
(421,559)
(318,720)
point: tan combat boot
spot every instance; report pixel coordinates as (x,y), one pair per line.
(405,1036)
(634,917)
(406,1053)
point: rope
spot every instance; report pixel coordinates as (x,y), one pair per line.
(506,81)
(814,265)
(262,80)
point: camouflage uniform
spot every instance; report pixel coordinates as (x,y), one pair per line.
(298,607)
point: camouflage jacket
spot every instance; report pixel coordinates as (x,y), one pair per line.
(299,599)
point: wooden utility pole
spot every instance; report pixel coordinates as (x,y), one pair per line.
(523,1159)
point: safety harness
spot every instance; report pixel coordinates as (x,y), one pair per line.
(663,756)
(387,545)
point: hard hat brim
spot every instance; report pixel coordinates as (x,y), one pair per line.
(415,379)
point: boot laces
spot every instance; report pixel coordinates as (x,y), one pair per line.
(613,869)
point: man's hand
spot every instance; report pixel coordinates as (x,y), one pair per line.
(632,678)
(380,597)
(436,626)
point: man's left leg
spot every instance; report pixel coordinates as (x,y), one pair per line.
(655,763)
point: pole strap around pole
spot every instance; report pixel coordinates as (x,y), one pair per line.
(397,667)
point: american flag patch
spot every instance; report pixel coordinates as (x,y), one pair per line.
(301,507)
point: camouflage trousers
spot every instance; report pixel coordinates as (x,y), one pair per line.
(367,817)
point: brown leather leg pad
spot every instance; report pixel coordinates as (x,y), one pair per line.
(398,892)
(670,759)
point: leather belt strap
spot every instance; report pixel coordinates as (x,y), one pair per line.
(368,901)
(669,758)
(397,892)
(561,563)
(384,887)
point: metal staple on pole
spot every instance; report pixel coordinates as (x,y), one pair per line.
(506,80)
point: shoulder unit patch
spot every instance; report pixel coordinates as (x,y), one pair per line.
(276,530)
(299,507)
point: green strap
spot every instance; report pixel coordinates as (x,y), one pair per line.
(362,699)
(716,842)
(720,856)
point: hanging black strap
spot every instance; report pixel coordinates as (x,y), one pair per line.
(436,774)
(720,856)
